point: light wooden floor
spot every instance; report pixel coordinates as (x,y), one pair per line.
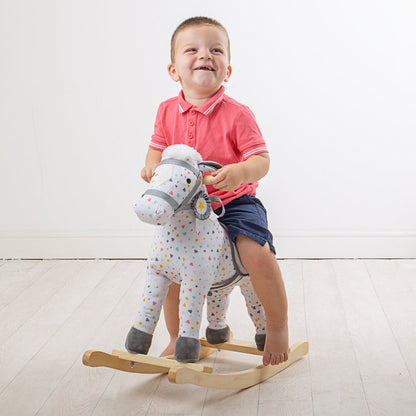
(359,317)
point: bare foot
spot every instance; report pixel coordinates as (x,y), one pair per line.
(170,349)
(276,348)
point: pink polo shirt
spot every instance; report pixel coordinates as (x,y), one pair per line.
(221,130)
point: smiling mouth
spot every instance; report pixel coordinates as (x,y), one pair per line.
(204,68)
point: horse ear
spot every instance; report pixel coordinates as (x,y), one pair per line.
(207,166)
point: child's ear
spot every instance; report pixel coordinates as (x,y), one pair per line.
(229,70)
(172,72)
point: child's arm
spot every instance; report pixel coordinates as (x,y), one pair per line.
(232,176)
(153,158)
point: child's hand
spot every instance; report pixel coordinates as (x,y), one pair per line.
(147,172)
(228,178)
(153,158)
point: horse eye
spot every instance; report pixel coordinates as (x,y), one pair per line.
(188,180)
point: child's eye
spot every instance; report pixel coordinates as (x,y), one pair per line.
(190,50)
(216,50)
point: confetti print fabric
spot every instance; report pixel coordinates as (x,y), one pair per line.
(194,253)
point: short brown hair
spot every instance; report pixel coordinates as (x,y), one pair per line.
(196,21)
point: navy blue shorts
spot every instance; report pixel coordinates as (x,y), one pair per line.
(247,215)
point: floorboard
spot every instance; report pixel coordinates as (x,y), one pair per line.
(359,317)
(292,390)
(90,327)
(16,277)
(336,382)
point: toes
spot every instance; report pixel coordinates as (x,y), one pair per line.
(274,359)
(282,358)
(267,358)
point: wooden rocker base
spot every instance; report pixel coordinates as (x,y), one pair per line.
(197,374)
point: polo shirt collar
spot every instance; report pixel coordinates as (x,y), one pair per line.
(184,106)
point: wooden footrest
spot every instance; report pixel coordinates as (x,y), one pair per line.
(139,363)
(159,362)
(234,345)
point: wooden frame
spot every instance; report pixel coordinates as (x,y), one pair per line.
(197,374)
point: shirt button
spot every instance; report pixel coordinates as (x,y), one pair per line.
(191,123)
(190,136)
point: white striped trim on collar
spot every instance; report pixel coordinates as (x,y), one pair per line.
(208,110)
(211,107)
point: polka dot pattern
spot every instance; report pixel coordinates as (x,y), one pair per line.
(195,253)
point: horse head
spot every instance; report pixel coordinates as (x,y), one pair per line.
(177,185)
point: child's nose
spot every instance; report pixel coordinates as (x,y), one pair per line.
(205,54)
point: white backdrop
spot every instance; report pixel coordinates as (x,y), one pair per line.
(332,85)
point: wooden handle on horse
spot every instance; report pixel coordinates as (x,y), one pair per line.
(207,179)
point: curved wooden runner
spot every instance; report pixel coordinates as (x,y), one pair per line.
(200,375)
(240,379)
(139,363)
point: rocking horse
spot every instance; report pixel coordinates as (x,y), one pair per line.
(192,248)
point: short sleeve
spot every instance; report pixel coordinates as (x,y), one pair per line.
(248,137)
(158,140)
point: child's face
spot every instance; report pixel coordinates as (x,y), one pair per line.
(201,60)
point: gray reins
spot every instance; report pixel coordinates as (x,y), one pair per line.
(187,202)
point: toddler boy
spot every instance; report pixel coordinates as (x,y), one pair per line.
(225,131)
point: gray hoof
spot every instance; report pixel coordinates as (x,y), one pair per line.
(187,349)
(217,336)
(138,342)
(260,341)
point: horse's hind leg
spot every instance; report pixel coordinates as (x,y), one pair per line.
(256,311)
(217,305)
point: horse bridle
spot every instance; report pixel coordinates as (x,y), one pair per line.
(187,202)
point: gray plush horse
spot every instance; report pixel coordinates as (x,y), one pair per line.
(192,248)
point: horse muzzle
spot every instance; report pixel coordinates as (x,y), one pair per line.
(153,210)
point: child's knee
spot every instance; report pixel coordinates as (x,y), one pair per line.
(253,255)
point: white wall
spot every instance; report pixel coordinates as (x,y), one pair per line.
(332,84)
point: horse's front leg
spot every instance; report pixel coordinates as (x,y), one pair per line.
(193,292)
(140,336)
